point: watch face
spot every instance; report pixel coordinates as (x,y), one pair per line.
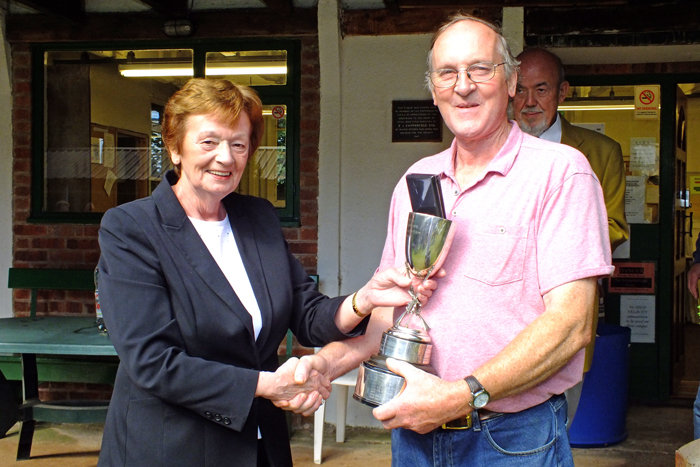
(480,400)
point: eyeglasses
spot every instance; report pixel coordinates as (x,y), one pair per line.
(478,73)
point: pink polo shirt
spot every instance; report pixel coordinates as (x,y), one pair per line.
(535,221)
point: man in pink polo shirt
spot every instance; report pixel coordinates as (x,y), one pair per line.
(512,315)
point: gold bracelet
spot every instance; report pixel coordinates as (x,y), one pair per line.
(354,307)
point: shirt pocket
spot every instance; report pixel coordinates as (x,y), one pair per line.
(496,253)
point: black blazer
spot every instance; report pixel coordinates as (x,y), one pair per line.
(184,392)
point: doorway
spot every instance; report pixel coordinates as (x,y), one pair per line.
(662,195)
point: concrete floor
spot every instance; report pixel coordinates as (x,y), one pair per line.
(654,435)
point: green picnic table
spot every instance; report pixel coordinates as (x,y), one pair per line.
(50,336)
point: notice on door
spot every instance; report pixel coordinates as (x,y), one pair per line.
(638,312)
(635,278)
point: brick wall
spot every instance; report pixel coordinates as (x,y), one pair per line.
(76,246)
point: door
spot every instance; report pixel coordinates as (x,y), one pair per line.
(680,229)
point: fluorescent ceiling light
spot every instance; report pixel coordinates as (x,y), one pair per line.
(597,107)
(142,70)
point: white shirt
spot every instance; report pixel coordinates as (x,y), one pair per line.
(553,133)
(219,239)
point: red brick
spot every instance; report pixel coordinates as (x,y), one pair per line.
(21,87)
(22,101)
(308,219)
(308,261)
(66,258)
(30,229)
(308,179)
(308,193)
(303,248)
(48,242)
(21,165)
(21,114)
(309,233)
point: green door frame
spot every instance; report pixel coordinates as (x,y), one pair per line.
(650,364)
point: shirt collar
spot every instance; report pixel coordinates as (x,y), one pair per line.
(501,163)
(553,133)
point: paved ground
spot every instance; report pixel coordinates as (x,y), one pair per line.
(654,435)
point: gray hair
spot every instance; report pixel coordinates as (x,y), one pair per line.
(511,64)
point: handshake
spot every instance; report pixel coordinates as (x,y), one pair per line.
(300,385)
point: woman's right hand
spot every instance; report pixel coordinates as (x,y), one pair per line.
(281,387)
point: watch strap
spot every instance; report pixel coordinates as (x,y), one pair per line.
(474,384)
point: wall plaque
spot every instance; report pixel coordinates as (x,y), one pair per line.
(415,121)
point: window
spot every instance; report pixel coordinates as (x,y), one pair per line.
(97,129)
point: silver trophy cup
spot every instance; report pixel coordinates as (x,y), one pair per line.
(428,238)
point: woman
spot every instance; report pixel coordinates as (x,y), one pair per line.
(198,289)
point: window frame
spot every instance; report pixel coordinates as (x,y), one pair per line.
(288,94)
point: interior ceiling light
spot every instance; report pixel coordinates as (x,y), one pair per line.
(178,28)
(152,70)
(596,107)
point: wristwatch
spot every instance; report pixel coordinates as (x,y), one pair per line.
(480,396)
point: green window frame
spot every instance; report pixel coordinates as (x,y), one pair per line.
(287,94)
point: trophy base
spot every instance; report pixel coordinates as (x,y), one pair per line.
(376,384)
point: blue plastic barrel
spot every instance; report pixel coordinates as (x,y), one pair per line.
(601,417)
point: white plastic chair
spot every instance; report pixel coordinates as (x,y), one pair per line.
(341,386)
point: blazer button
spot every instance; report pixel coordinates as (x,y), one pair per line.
(227,421)
(217,417)
(208,415)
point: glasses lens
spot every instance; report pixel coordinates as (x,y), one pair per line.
(480,72)
(444,78)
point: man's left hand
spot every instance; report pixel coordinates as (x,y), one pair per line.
(426,401)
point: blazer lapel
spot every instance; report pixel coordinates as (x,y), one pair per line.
(569,135)
(187,241)
(250,254)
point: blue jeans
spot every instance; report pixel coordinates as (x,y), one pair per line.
(535,437)
(696,415)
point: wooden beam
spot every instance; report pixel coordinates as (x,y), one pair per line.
(504,3)
(131,27)
(280,7)
(174,9)
(632,69)
(71,10)
(611,20)
(392,5)
(383,22)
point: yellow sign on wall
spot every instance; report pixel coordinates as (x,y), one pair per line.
(647,101)
(694,184)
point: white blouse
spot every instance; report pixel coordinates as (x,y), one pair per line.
(219,239)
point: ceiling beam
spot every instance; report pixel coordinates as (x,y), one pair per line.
(135,26)
(507,3)
(383,22)
(673,17)
(169,8)
(71,10)
(280,7)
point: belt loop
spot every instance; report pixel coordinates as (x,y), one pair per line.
(476,421)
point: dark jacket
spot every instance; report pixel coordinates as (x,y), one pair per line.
(184,392)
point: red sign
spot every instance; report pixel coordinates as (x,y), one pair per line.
(278,112)
(632,278)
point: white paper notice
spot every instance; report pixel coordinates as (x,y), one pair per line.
(643,156)
(635,196)
(638,312)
